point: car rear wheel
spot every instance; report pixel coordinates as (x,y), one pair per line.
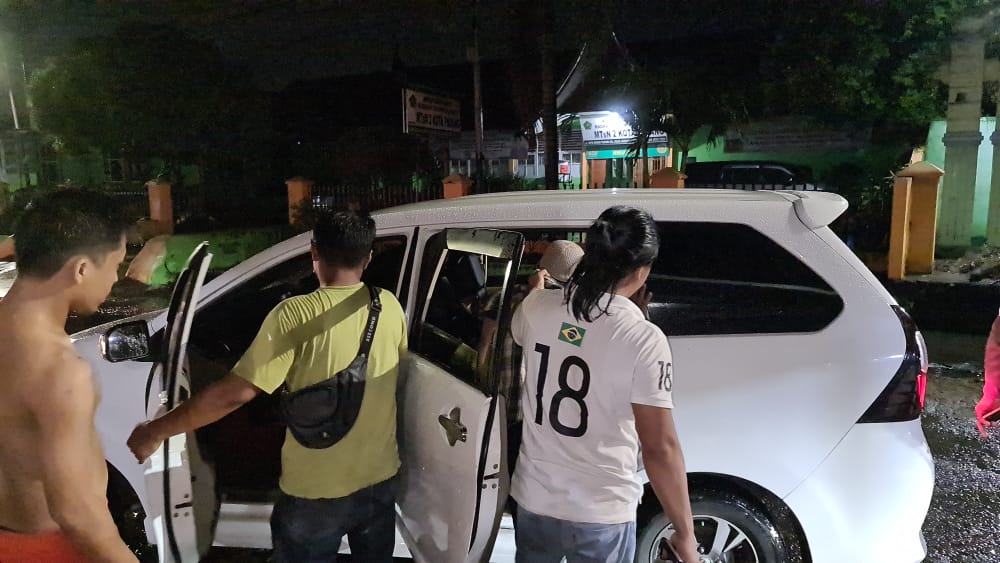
(129,517)
(728,530)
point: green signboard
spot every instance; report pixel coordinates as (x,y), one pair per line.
(604,154)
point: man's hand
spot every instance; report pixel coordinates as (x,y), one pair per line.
(987,404)
(144,441)
(686,548)
(537,280)
(642,298)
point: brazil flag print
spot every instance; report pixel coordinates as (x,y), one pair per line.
(572,334)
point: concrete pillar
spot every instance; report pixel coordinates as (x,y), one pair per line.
(993,223)
(584,170)
(299,194)
(899,235)
(161,206)
(667,178)
(922,225)
(457,185)
(965,92)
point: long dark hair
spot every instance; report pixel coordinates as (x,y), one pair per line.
(620,241)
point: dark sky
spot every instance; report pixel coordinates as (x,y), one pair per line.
(284,40)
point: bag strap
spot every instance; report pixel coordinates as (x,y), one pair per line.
(375,309)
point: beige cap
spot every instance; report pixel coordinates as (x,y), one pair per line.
(560,259)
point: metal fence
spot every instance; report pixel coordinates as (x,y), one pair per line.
(131,196)
(372,198)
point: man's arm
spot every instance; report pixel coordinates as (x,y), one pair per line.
(664,463)
(216,401)
(72,465)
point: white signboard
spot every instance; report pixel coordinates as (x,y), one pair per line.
(428,112)
(497,145)
(608,128)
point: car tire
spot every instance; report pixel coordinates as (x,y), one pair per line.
(746,533)
(129,518)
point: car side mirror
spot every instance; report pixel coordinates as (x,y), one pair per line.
(127,341)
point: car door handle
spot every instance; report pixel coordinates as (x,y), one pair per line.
(453,427)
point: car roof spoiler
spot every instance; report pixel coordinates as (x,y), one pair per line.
(816,209)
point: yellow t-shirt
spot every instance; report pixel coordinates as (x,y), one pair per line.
(305,340)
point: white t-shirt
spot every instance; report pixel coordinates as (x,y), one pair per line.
(580,450)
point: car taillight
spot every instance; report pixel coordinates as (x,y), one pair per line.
(903,398)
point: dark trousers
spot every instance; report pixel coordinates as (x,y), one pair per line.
(310,530)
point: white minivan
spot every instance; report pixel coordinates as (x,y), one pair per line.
(799,382)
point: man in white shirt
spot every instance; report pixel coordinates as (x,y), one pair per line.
(598,384)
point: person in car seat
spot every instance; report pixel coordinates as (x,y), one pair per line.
(349,487)
(597,386)
(53,477)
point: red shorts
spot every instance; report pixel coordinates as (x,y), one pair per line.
(45,547)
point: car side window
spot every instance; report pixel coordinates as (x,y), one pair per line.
(729,278)
(775,176)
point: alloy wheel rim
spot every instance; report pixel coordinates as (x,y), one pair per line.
(719,541)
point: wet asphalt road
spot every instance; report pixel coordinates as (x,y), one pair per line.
(963,525)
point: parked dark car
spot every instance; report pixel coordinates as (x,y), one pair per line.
(750,175)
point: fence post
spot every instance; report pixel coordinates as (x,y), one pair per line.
(922,226)
(457,185)
(899,234)
(299,192)
(161,206)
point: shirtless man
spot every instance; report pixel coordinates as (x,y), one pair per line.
(53,477)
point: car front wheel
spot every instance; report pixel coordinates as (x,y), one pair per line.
(728,530)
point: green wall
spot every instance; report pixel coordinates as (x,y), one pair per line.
(984,168)
(819,162)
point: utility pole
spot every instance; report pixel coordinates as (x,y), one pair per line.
(478,98)
(10,82)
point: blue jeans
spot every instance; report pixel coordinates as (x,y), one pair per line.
(310,530)
(542,539)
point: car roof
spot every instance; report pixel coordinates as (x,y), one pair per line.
(815,209)
(548,204)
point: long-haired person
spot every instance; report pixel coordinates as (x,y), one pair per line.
(598,385)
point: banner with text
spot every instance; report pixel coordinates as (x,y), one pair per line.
(790,136)
(608,128)
(497,145)
(429,112)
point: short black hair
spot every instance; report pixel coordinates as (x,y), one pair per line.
(61,224)
(344,239)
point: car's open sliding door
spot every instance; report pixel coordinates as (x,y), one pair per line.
(454,479)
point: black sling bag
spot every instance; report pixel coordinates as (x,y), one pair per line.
(320,415)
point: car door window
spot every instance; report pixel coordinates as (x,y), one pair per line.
(462,317)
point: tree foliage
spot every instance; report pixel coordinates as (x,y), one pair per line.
(859,63)
(150,91)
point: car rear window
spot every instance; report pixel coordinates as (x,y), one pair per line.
(729,278)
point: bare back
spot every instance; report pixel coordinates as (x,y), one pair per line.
(41,379)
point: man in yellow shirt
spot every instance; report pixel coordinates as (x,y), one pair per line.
(347,488)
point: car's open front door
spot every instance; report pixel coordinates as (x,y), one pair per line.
(182,485)
(454,479)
